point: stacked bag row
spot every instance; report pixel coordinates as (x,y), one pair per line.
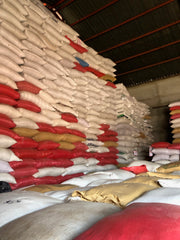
(100,117)
(164,152)
(133,126)
(55,108)
(42,153)
(174,109)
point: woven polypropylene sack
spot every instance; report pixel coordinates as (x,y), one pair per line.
(162,222)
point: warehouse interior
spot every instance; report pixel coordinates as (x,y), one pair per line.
(142,38)
(89,119)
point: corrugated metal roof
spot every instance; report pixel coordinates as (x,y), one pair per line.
(142,37)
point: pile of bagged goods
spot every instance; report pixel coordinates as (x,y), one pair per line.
(174,109)
(133,125)
(61,117)
(165,152)
(61,114)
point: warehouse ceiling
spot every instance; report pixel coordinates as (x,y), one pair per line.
(141,36)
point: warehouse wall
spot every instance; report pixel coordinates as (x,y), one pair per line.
(158,95)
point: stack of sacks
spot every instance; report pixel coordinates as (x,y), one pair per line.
(41,153)
(143,122)
(164,152)
(132,125)
(51,99)
(100,116)
(8,100)
(7,156)
(95,63)
(175,120)
(91,101)
(109,140)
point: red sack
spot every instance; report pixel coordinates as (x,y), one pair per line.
(76,46)
(27,86)
(107,138)
(25,142)
(53,154)
(61,153)
(80,146)
(7,100)
(23,172)
(108,133)
(80,153)
(6,121)
(46,180)
(96,72)
(110,84)
(175,116)
(6,90)
(47,145)
(25,163)
(139,221)
(9,132)
(44,127)
(25,153)
(104,126)
(174,146)
(106,161)
(160,145)
(136,169)
(79,67)
(48,162)
(55,180)
(28,105)
(61,130)
(113,150)
(102,156)
(44,154)
(174,108)
(32,153)
(76,132)
(69,117)
(67,177)
(23,182)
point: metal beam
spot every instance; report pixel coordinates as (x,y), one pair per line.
(139,37)
(148,51)
(93,13)
(126,21)
(149,66)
